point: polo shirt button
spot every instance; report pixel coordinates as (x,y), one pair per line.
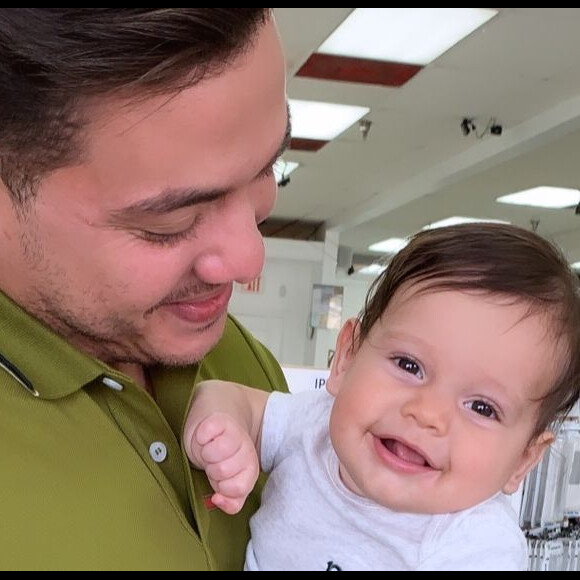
(112,384)
(158,451)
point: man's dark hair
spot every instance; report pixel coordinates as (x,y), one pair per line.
(55,61)
(501,260)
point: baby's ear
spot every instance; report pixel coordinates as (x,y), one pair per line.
(346,345)
(530,458)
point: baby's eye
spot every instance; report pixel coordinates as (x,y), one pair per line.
(482,408)
(409,366)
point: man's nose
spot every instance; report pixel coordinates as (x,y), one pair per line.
(233,248)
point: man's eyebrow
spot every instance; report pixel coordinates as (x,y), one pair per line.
(283,146)
(167,201)
(177,198)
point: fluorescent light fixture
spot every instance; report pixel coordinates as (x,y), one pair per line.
(576,266)
(455,220)
(372,270)
(409,35)
(544,196)
(322,121)
(390,246)
(282,169)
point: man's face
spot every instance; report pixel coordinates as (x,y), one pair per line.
(131,255)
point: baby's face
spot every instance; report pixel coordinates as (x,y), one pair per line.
(435,410)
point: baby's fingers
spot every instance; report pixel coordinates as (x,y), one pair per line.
(228,505)
(210,428)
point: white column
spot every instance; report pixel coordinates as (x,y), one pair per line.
(325,340)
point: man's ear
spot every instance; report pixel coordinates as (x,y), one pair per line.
(346,345)
(530,458)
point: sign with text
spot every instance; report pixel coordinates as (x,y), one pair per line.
(253,287)
(302,379)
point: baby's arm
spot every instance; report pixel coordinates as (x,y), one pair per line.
(222,436)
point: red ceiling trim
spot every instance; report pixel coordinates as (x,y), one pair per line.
(357,70)
(298,144)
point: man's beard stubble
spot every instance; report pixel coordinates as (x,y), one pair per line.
(110,338)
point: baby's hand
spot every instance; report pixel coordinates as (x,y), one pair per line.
(228,456)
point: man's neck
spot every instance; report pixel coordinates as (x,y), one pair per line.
(138,373)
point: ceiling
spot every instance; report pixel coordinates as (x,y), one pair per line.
(416,166)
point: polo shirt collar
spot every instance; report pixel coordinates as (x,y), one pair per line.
(44,363)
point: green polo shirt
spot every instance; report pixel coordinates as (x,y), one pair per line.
(92,471)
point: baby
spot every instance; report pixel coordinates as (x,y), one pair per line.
(441,398)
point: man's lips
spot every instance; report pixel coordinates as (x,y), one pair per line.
(201,309)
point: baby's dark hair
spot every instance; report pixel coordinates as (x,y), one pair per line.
(496,259)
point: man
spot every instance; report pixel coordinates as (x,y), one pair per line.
(136,152)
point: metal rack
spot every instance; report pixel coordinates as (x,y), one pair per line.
(550,508)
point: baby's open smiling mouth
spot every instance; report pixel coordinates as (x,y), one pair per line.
(405,453)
